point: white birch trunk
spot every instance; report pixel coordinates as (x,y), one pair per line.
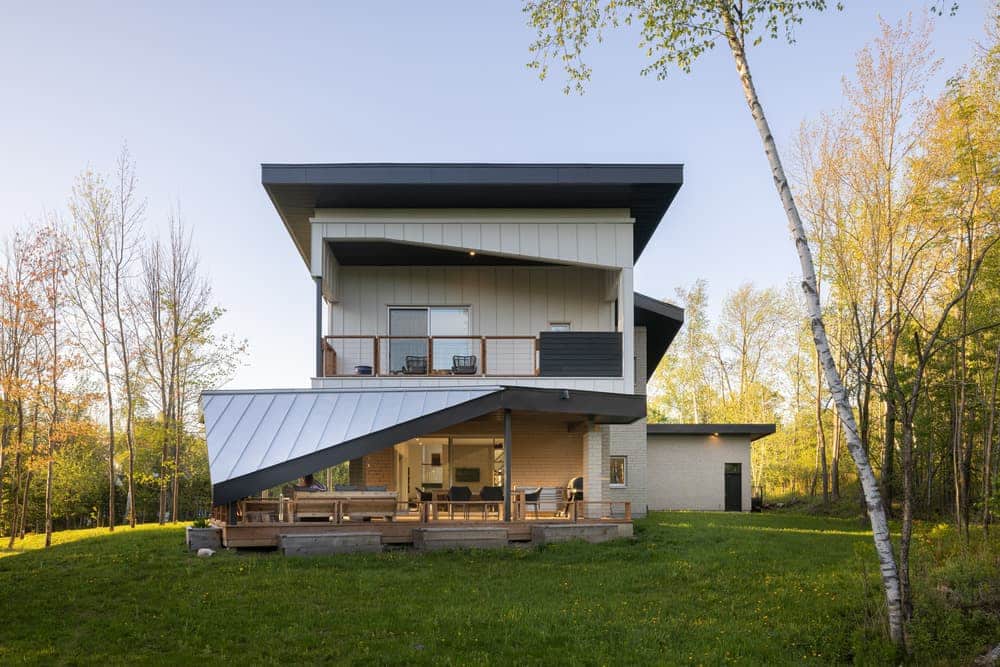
(869,486)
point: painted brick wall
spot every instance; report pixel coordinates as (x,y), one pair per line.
(630,440)
(687,472)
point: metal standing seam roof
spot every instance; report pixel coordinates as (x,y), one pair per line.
(249,431)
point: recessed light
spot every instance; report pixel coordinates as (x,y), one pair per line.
(472,253)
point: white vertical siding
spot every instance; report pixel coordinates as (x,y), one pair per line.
(505,301)
(595,237)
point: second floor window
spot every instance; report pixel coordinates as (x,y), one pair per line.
(411,329)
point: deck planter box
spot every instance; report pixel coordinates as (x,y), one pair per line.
(203,538)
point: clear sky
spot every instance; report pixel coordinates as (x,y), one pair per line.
(205,92)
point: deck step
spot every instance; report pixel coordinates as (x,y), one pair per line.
(321,544)
(466,537)
(551,533)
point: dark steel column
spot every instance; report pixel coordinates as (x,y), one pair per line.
(319,327)
(506,464)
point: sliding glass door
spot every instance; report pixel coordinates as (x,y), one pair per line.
(410,329)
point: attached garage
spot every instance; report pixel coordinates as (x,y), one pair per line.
(700,466)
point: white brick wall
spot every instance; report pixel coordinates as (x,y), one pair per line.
(595,470)
(630,440)
(687,472)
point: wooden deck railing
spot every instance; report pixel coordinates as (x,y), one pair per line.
(405,356)
(288,510)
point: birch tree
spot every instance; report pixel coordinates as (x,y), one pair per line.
(675,34)
(126,220)
(92,293)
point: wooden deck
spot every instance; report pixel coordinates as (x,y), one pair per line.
(397,532)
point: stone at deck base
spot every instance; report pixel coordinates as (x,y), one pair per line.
(549,534)
(322,544)
(433,539)
(203,538)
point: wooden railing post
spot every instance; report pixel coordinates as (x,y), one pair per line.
(628,511)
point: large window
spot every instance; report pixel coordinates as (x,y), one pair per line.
(619,471)
(411,327)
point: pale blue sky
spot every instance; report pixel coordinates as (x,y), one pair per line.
(204,94)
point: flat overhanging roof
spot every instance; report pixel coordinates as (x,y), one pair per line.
(753,431)
(296,190)
(662,321)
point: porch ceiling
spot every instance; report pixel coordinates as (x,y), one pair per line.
(259,439)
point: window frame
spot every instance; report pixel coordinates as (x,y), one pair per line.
(624,483)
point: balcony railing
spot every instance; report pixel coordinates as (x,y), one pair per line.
(484,356)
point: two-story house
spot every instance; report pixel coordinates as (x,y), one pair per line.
(476,328)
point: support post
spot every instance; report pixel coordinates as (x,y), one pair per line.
(506,464)
(319,326)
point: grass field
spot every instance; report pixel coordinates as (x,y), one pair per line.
(692,588)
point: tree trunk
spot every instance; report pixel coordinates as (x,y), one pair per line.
(988,445)
(821,436)
(876,510)
(888,449)
(906,453)
(48,500)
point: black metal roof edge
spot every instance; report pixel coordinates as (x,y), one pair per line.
(658,307)
(438,173)
(754,430)
(629,407)
(662,321)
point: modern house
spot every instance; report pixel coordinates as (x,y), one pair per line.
(480,349)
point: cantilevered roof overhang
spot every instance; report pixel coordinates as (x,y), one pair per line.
(260,439)
(662,321)
(298,189)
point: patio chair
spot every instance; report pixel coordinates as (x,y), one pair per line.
(531,498)
(492,495)
(415,365)
(459,494)
(463,365)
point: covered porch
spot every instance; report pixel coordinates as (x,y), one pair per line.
(512,458)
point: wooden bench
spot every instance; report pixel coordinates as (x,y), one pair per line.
(466,537)
(307,507)
(322,544)
(358,505)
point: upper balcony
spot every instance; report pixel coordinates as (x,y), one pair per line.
(550,354)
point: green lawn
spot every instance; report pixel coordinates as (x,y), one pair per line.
(692,588)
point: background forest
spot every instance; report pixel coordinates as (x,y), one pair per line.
(107,337)
(899,190)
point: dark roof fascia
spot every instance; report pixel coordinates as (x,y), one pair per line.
(754,431)
(662,321)
(604,408)
(647,190)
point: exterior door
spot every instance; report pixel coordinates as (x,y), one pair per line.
(734,487)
